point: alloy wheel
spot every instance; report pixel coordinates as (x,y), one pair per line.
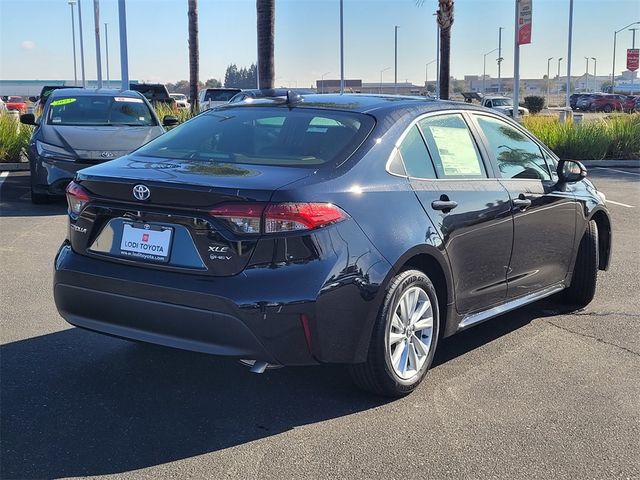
(410,333)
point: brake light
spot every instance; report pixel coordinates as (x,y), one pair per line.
(77,198)
(253,218)
(290,217)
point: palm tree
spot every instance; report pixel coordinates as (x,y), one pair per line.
(194,54)
(266,13)
(445,21)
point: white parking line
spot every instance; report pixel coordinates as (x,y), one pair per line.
(619,171)
(618,203)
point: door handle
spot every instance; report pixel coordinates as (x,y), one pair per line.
(444,204)
(521,202)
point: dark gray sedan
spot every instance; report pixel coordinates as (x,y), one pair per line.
(82,127)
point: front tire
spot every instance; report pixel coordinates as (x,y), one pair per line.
(585,272)
(404,337)
(607,109)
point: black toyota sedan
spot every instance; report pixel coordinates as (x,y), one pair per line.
(81,127)
(320,229)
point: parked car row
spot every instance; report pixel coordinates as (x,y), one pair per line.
(604,102)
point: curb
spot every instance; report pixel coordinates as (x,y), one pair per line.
(612,163)
(14,167)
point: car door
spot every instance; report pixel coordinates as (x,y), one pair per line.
(466,204)
(544,212)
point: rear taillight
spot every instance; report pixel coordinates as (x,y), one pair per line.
(253,218)
(77,198)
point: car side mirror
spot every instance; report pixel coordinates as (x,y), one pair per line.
(28,119)
(570,171)
(170,121)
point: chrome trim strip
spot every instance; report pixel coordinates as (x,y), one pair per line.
(475,318)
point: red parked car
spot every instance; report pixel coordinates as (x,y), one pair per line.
(607,102)
(629,104)
(16,103)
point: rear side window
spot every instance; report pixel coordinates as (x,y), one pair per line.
(516,154)
(265,136)
(452,147)
(220,95)
(415,155)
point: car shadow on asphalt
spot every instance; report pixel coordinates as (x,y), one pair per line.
(76,403)
(15,199)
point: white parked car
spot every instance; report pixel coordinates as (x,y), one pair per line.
(182,102)
(503,105)
(212,97)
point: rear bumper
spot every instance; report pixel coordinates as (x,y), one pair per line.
(257,314)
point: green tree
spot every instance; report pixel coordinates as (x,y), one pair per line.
(212,83)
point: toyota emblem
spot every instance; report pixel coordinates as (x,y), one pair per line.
(107,155)
(141,192)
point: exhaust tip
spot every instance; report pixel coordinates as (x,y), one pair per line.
(258,366)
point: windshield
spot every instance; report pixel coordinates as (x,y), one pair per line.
(15,99)
(99,110)
(219,95)
(178,96)
(502,102)
(265,136)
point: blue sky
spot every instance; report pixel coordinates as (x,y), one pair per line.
(35,38)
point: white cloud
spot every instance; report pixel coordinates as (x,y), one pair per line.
(28,45)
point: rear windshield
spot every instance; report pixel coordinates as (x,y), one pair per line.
(265,136)
(219,95)
(99,110)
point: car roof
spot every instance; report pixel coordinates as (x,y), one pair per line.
(356,102)
(383,107)
(84,92)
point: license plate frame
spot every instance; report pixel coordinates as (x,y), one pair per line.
(146,242)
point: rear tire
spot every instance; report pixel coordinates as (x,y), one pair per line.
(585,272)
(404,338)
(607,109)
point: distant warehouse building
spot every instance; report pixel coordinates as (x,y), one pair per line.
(357,86)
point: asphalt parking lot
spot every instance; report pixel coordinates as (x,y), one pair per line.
(537,393)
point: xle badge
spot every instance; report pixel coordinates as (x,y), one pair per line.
(215,251)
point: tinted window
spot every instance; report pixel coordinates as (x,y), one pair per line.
(516,155)
(415,156)
(452,147)
(99,110)
(265,136)
(219,95)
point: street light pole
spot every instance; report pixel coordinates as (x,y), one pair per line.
(381,72)
(548,73)
(595,72)
(322,81)
(395,78)
(516,67)
(558,79)
(73,37)
(426,77)
(84,81)
(586,78)
(124,56)
(568,90)
(500,59)
(613,68)
(341,48)
(106,45)
(484,70)
(633,45)
(96,19)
